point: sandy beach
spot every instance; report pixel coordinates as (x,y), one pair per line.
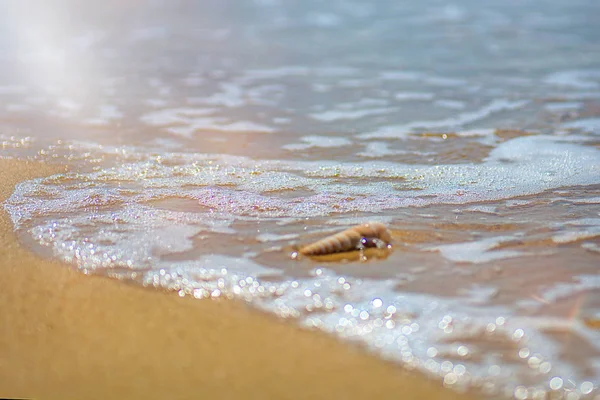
(64,335)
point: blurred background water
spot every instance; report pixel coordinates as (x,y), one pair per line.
(204,139)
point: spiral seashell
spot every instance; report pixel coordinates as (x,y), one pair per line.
(367,235)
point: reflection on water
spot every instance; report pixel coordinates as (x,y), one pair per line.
(205,140)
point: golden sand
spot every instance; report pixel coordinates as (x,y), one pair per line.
(64,335)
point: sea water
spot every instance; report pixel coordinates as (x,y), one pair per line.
(204,141)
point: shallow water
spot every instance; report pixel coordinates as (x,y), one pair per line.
(205,141)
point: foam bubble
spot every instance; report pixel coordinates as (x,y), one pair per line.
(317,141)
(480,251)
(186,121)
(399,131)
(337,115)
(591,125)
(577,79)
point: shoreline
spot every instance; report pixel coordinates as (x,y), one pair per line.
(67,335)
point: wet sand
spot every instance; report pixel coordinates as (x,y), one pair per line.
(66,335)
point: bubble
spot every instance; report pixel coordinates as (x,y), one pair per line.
(538,394)
(573,396)
(494,370)
(556,383)
(447,366)
(521,393)
(545,367)
(534,362)
(450,379)
(462,351)
(432,365)
(587,387)
(518,335)
(459,369)
(524,352)
(432,352)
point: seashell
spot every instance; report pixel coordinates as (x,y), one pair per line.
(373,234)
